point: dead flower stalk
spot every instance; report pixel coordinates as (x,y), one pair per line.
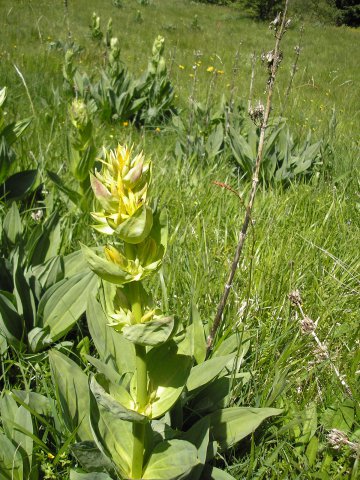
(273,65)
(308,327)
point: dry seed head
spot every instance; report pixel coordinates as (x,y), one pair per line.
(295,298)
(276,22)
(307,325)
(337,438)
(321,354)
(257,113)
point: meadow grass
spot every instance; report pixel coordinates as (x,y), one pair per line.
(304,237)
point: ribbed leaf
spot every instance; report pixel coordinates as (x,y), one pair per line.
(171,460)
(151,333)
(64,303)
(72,390)
(109,344)
(230,425)
(168,372)
(113,436)
(137,227)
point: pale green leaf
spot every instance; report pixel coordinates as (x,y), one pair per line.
(168,372)
(113,436)
(63,304)
(230,425)
(12,225)
(120,406)
(204,373)
(90,457)
(74,475)
(198,335)
(137,227)
(171,460)
(110,345)
(37,402)
(72,390)
(151,333)
(11,465)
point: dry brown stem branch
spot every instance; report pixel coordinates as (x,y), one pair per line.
(308,327)
(273,64)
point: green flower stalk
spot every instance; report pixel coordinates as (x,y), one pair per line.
(81,148)
(139,236)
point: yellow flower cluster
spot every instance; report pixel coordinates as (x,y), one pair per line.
(120,188)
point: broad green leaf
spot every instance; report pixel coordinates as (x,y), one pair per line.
(21,438)
(44,241)
(74,475)
(239,344)
(168,372)
(37,402)
(11,465)
(8,409)
(11,323)
(312,450)
(230,425)
(12,225)
(20,184)
(24,297)
(199,437)
(213,473)
(50,272)
(204,373)
(74,263)
(113,436)
(340,416)
(106,369)
(152,333)
(74,196)
(90,457)
(197,334)
(3,344)
(137,227)
(171,460)
(119,406)
(105,269)
(72,390)
(64,303)
(215,141)
(109,344)
(213,396)
(310,424)
(38,339)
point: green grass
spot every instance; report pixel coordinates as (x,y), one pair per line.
(305,237)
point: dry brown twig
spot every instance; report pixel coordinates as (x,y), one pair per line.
(273,59)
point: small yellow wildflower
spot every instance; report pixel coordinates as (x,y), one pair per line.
(191,75)
(181,67)
(157,129)
(50,456)
(125,124)
(210,69)
(220,72)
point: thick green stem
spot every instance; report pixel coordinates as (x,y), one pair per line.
(141,389)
